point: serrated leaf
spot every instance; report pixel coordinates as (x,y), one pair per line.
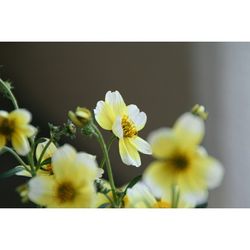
(11,172)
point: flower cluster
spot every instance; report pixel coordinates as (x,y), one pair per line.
(180,176)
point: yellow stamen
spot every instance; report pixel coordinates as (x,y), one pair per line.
(129,129)
(161,204)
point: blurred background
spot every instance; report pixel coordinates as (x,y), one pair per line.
(162,79)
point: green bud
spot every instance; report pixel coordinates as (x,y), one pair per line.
(200,111)
(81,117)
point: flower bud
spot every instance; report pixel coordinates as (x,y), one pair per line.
(81,117)
(200,111)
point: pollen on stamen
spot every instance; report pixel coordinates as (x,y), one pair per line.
(129,129)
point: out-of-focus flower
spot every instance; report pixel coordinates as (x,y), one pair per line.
(80,117)
(46,169)
(181,161)
(139,196)
(15,127)
(125,122)
(72,184)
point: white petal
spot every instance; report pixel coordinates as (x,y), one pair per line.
(4,113)
(117,127)
(190,129)
(215,173)
(128,152)
(24,172)
(142,146)
(42,190)
(133,111)
(115,100)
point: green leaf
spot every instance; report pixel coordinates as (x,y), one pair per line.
(131,184)
(11,172)
(46,162)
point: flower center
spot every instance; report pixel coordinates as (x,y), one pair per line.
(6,127)
(129,129)
(66,192)
(180,161)
(161,204)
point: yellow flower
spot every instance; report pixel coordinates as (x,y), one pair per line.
(181,161)
(81,117)
(45,169)
(72,184)
(125,122)
(140,196)
(14,127)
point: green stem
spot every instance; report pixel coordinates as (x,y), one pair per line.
(10,94)
(108,147)
(107,161)
(44,150)
(175,196)
(17,157)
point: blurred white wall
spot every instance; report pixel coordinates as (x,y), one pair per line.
(221,78)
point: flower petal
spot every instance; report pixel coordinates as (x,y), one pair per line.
(24,172)
(139,118)
(189,129)
(104,115)
(21,116)
(115,100)
(20,143)
(163,142)
(27,130)
(117,127)
(49,151)
(142,145)
(128,153)
(63,161)
(84,168)
(42,190)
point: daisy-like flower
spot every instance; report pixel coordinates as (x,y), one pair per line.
(181,161)
(72,184)
(140,196)
(125,122)
(15,127)
(45,169)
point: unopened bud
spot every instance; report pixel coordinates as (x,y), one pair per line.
(81,117)
(200,111)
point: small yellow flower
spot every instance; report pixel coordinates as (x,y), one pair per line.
(125,122)
(140,196)
(72,184)
(181,161)
(14,127)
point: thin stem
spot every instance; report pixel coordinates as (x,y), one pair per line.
(108,147)
(44,150)
(107,161)
(10,94)
(175,196)
(17,157)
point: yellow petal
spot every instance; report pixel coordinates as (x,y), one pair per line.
(2,141)
(49,151)
(189,129)
(159,178)
(20,144)
(129,153)
(104,115)
(27,130)
(163,143)
(21,116)
(42,190)
(115,100)
(63,160)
